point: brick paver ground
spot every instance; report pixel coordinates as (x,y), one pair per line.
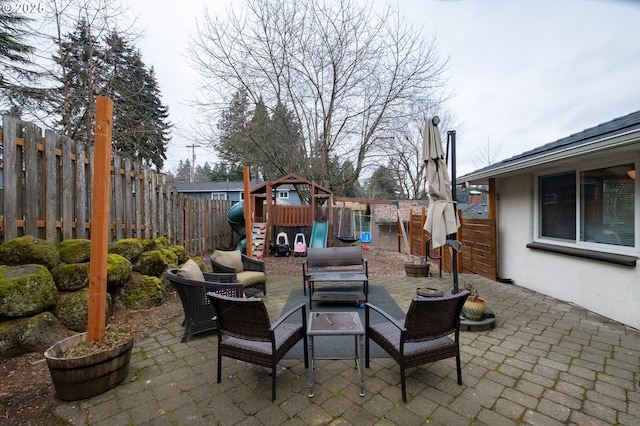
(546,362)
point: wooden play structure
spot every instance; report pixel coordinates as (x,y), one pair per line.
(267,218)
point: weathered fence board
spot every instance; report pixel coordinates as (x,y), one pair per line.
(478,238)
(46,192)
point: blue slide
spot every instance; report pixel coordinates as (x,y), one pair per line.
(319,233)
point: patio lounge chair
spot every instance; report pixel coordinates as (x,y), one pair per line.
(250,272)
(199,313)
(423,338)
(245,333)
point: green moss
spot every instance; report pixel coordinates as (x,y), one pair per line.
(26,250)
(162,242)
(129,248)
(153,263)
(26,290)
(73,310)
(118,270)
(140,292)
(71,277)
(181,253)
(74,250)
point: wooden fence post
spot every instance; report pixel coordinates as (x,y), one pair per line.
(100,225)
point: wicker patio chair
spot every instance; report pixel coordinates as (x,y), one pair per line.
(424,337)
(199,312)
(245,333)
(250,272)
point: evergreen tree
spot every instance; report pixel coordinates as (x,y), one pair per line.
(233,129)
(382,185)
(89,67)
(141,127)
(17,78)
(81,63)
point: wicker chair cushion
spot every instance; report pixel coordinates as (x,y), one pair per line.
(249,278)
(232,259)
(191,271)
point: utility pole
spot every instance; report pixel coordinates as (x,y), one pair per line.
(193,160)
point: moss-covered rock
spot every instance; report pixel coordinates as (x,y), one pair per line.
(140,292)
(29,250)
(162,242)
(73,310)
(129,248)
(118,271)
(74,250)
(181,253)
(171,256)
(40,332)
(26,290)
(71,277)
(153,263)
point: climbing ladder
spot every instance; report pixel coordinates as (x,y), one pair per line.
(258,236)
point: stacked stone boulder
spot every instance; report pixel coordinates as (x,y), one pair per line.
(44,287)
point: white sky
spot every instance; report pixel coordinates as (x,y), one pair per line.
(524,72)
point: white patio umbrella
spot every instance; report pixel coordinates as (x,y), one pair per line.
(442,219)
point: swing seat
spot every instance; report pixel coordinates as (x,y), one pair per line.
(347,239)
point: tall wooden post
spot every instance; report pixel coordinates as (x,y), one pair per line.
(100,219)
(248,220)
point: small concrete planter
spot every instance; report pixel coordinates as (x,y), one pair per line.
(90,375)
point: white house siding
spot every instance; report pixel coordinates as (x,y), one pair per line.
(604,288)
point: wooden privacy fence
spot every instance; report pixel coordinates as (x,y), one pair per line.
(478,238)
(45,191)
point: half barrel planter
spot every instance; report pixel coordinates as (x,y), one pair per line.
(416,269)
(90,375)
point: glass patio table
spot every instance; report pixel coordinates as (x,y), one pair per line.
(336,324)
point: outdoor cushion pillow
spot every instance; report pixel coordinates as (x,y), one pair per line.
(191,271)
(249,278)
(232,259)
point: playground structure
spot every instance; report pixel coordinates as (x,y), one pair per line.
(269,219)
(317,220)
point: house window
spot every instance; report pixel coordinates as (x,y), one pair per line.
(218,196)
(283,194)
(593,207)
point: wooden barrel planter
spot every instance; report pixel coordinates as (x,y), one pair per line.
(416,269)
(90,375)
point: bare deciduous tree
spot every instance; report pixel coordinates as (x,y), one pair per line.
(348,73)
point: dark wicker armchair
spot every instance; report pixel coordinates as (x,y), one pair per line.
(424,337)
(245,333)
(199,313)
(250,272)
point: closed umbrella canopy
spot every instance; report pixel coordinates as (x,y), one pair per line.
(442,219)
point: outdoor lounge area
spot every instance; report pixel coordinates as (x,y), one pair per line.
(546,362)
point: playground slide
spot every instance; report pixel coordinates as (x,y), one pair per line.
(319,233)
(235,217)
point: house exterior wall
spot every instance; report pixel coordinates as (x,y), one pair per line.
(604,288)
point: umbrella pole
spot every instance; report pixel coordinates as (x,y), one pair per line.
(451,136)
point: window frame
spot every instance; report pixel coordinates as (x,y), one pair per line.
(282,194)
(577,243)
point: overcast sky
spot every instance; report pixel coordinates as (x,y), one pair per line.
(523,72)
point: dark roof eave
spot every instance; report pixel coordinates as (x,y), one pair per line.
(629,135)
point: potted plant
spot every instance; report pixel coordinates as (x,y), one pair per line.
(474,306)
(81,369)
(417,267)
(97,369)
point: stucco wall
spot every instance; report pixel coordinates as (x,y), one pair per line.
(606,289)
